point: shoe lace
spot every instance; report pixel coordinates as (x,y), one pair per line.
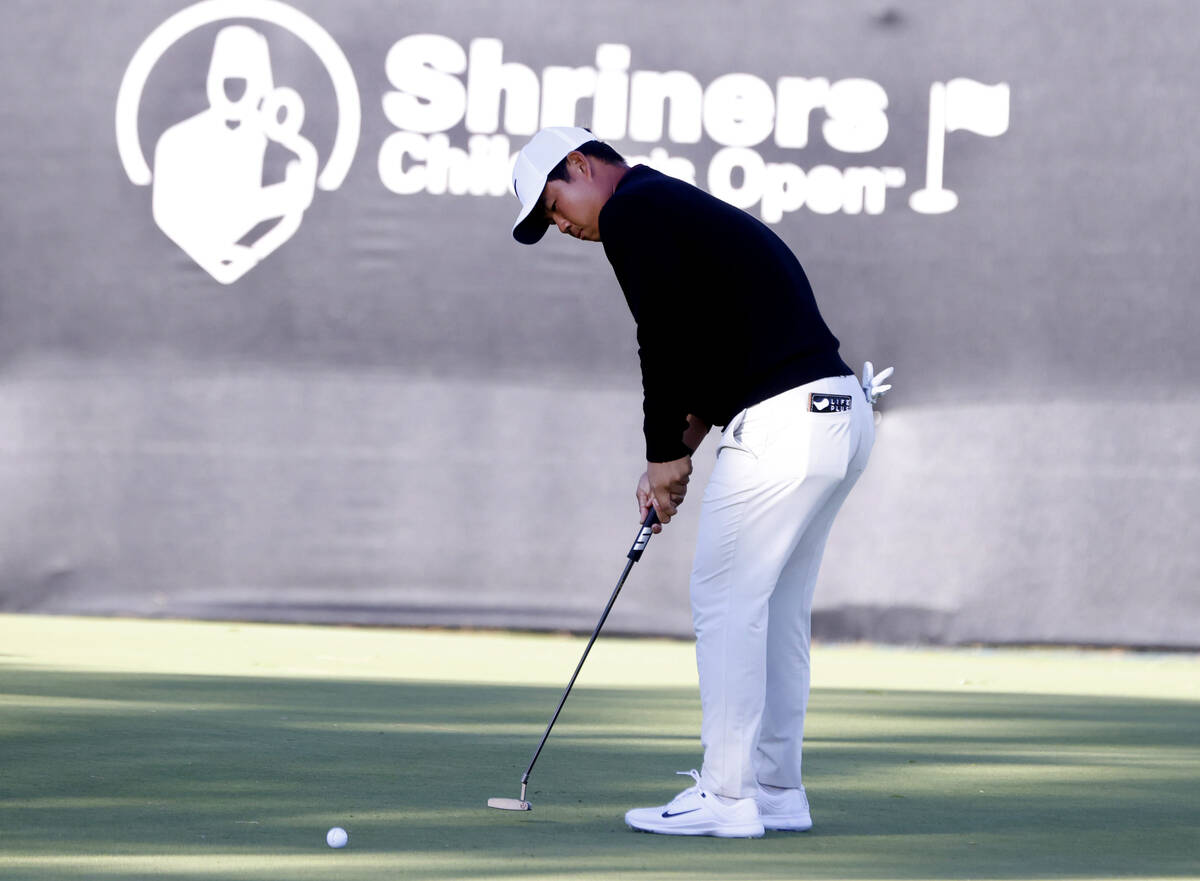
(695,775)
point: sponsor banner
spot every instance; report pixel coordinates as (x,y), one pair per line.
(232,225)
(459,111)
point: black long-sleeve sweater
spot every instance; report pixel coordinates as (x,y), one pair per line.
(725,315)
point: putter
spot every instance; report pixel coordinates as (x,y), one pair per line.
(635,554)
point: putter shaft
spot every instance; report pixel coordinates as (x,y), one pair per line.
(635,554)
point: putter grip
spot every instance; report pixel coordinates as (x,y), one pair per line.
(639,544)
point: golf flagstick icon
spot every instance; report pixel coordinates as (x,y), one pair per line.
(960,104)
(208,169)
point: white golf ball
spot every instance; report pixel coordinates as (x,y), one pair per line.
(336,837)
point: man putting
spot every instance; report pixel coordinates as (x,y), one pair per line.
(729,334)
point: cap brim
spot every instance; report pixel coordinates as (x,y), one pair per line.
(531,229)
(531,224)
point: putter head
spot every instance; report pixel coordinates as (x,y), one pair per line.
(509,804)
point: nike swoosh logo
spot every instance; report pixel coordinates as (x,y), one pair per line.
(667,815)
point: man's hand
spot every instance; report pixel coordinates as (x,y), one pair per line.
(643,500)
(663,486)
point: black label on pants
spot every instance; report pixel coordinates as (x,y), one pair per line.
(828,403)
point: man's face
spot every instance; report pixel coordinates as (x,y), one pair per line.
(573,205)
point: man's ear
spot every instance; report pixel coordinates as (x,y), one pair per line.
(579,163)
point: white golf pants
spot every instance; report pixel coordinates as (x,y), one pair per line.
(783,469)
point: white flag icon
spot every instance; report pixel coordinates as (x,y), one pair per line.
(976,107)
(959,105)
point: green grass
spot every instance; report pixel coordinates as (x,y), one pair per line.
(166,750)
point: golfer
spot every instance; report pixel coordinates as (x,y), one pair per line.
(729,334)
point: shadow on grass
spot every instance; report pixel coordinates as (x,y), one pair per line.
(903,785)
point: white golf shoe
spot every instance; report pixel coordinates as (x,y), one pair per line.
(695,811)
(784,810)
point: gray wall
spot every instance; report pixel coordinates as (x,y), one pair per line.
(401,416)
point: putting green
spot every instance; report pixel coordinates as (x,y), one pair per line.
(178,750)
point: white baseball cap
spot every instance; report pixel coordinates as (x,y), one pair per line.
(536,160)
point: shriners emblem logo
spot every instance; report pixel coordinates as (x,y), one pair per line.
(207,177)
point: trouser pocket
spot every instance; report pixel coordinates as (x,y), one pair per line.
(731,437)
